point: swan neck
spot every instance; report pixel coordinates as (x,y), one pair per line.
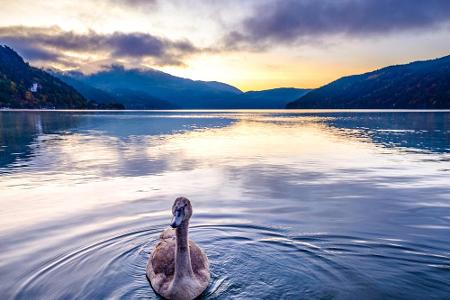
(183,266)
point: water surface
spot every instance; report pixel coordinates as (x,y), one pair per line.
(287,204)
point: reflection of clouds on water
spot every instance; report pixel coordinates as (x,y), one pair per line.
(348,212)
(23,133)
(323,202)
(291,155)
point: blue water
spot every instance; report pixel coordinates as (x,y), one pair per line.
(287,204)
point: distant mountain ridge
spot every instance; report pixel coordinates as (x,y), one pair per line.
(23,86)
(153,89)
(271,98)
(179,92)
(127,98)
(417,85)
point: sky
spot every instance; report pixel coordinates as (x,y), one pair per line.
(253,44)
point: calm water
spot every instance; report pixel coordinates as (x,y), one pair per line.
(287,205)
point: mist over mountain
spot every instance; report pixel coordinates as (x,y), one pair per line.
(130,99)
(417,85)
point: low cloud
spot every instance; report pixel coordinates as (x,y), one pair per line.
(304,21)
(52,44)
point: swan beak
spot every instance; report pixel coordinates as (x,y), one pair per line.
(177,218)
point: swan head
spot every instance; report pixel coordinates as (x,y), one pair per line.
(181,210)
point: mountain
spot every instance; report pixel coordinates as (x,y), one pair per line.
(272,98)
(417,85)
(133,99)
(86,90)
(23,86)
(179,92)
(119,98)
(152,89)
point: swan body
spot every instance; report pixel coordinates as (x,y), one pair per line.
(177,267)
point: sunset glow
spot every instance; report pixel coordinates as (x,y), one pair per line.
(243,44)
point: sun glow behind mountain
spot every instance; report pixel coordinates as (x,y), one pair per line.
(251,45)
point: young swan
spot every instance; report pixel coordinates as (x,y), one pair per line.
(177,268)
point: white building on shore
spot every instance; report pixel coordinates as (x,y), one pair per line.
(34,87)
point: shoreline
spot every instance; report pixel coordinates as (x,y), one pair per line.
(321,110)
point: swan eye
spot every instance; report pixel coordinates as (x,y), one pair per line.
(180,207)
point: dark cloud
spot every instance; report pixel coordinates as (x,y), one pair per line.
(292,21)
(49,44)
(37,54)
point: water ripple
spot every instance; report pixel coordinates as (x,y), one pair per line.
(246,259)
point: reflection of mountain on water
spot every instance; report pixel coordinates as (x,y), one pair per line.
(124,125)
(22,133)
(19,131)
(429,131)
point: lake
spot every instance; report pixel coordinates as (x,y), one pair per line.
(287,204)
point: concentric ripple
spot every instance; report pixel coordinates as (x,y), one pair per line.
(247,260)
